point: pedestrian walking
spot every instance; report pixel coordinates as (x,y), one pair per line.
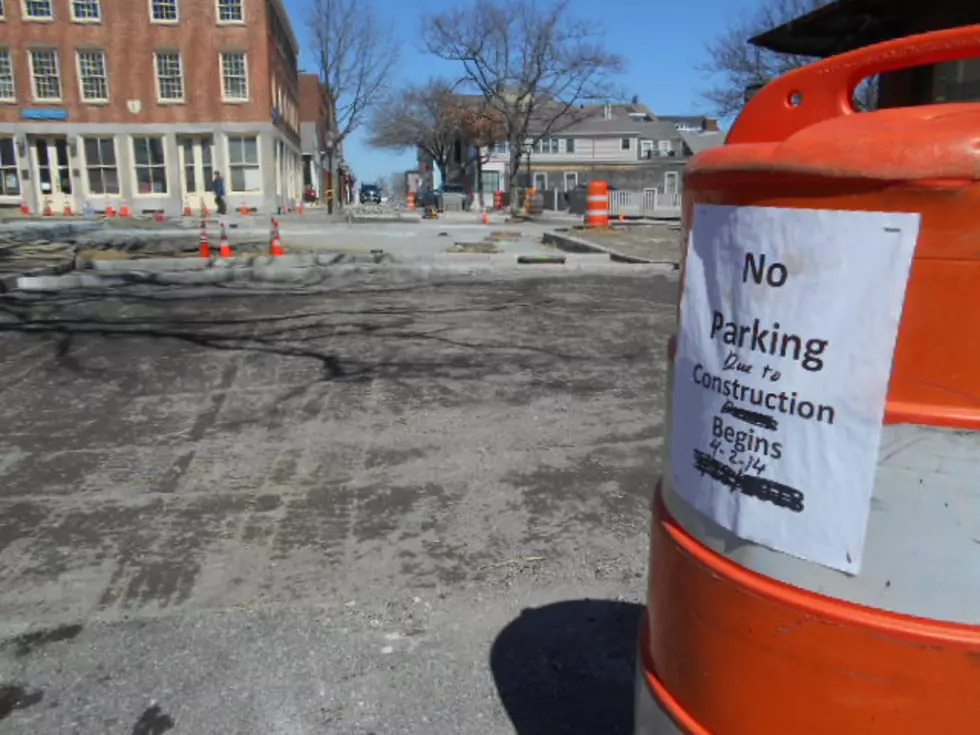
(219,193)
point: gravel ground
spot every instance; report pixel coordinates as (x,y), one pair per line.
(659,243)
(383,505)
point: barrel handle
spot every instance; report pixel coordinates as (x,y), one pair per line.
(825,89)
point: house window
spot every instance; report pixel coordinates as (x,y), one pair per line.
(571,180)
(500,148)
(624,144)
(86,11)
(92,76)
(170,80)
(540,181)
(100,166)
(230,11)
(44,73)
(38,9)
(3,10)
(664,146)
(9,181)
(569,145)
(243,163)
(234,76)
(163,11)
(6,77)
(150,165)
(546,145)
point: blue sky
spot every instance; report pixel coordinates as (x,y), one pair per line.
(662,40)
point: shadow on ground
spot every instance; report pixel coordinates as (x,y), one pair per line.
(567,668)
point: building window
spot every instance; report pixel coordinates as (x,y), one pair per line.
(624,144)
(100,166)
(500,148)
(664,146)
(7,93)
(234,75)
(3,10)
(163,11)
(38,9)
(44,73)
(243,163)
(569,145)
(86,11)
(546,145)
(170,80)
(230,11)
(150,165)
(92,76)
(9,181)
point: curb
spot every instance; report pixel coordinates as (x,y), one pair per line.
(570,244)
(10,282)
(306,270)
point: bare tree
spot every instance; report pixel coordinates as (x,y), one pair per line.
(356,52)
(531,62)
(736,66)
(448,126)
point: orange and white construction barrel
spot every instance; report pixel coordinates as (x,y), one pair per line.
(814,563)
(597,204)
(410,200)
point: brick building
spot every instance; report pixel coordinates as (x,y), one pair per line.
(318,135)
(104,102)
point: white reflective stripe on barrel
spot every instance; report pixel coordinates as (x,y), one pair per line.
(922,554)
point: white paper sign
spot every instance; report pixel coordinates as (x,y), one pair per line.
(787,330)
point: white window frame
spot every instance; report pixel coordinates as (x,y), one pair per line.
(628,146)
(81,79)
(258,164)
(156,77)
(85,166)
(13,76)
(534,180)
(57,71)
(675,177)
(165,21)
(564,179)
(77,19)
(233,21)
(43,18)
(3,9)
(664,147)
(570,149)
(221,69)
(133,166)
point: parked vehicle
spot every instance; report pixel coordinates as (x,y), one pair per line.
(370,194)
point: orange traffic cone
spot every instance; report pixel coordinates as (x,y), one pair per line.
(275,247)
(47,208)
(622,217)
(158,216)
(205,249)
(187,210)
(110,211)
(123,209)
(224,247)
(67,211)
(486,217)
(25,208)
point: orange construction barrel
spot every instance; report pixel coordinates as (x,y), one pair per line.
(410,200)
(815,546)
(597,204)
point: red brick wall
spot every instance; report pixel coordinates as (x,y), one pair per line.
(129,39)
